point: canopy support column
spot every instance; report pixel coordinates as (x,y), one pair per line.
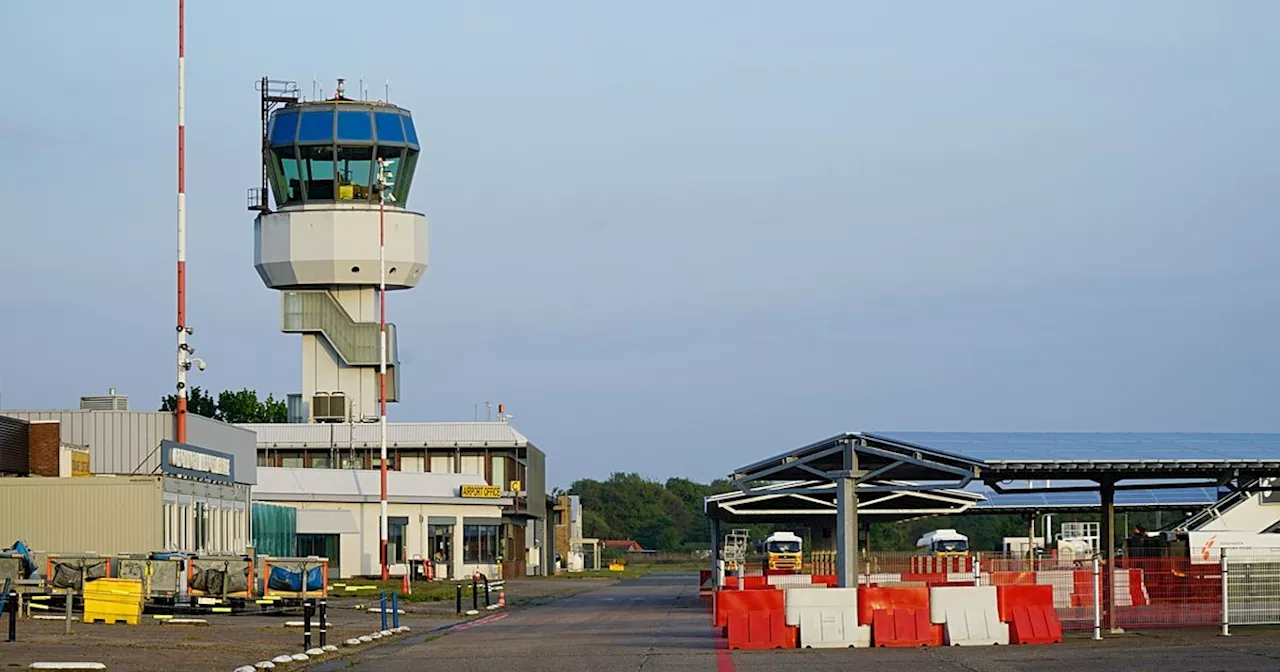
(846,481)
(715,552)
(1108,541)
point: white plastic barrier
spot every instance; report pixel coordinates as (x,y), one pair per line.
(827,618)
(970,613)
(787,579)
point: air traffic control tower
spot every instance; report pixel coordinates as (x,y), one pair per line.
(319,246)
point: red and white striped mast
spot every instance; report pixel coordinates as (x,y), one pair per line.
(184,350)
(384,195)
(181,407)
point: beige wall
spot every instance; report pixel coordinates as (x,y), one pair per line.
(83,515)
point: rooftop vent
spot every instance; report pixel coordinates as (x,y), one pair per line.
(110,402)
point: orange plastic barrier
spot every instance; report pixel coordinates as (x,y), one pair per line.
(760,630)
(904,627)
(742,601)
(748,583)
(888,599)
(1035,624)
(828,579)
(1008,597)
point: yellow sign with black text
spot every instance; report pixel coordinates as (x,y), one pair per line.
(481,491)
(515,486)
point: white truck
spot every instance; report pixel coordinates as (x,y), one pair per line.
(943,543)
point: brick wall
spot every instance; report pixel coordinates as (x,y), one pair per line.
(44,440)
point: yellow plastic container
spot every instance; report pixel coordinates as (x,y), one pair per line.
(113,601)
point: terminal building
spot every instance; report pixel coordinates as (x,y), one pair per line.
(432,465)
(104,479)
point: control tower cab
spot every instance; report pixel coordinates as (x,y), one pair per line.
(320,245)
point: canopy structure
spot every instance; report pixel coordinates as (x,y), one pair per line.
(900,475)
(807,501)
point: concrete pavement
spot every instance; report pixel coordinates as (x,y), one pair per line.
(657,624)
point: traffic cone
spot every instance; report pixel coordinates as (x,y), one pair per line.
(406,588)
(502,598)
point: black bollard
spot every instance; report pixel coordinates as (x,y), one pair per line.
(395,611)
(306,624)
(486,591)
(324,624)
(475,596)
(11,603)
(459,587)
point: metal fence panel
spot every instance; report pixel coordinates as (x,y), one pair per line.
(1253,586)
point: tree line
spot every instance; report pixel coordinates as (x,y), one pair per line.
(668,516)
(231,406)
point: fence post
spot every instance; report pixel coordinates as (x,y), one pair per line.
(384,610)
(459,596)
(1226,617)
(742,576)
(395,610)
(67,617)
(324,623)
(1097,599)
(306,622)
(977,569)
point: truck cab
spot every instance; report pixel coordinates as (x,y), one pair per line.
(783,552)
(944,543)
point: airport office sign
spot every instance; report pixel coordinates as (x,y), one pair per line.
(182,459)
(480,491)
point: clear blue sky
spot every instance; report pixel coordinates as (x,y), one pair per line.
(675,237)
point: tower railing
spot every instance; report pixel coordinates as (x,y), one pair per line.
(356,343)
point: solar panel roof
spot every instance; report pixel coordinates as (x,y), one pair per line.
(1171,498)
(1021,447)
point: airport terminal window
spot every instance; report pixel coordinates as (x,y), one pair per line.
(319,162)
(293,460)
(442,464)
(395,539)
(473,464)
(355,172)
(353,463)
(316,126)
(321,462)
(283,127)
(411,134)
(354,125)
(441,543)
(389,129)
(392,155)
(286,174)
(480,544)
(404,176)
(499,470)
